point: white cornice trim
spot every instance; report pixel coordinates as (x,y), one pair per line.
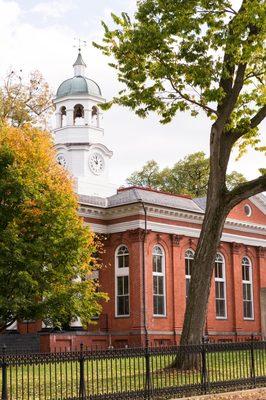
(245,226)
(78,127)
(173,229)
(169,214)
(85,96)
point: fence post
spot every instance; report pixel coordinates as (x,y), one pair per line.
(204,372)
(148,383)
(4,375)
(252,362)
(82,388)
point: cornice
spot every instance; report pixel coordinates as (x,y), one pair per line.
(109,214)
(76,97)
(173,229)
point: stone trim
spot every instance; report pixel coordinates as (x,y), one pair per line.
(173,229)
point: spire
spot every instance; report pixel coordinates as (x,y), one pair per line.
(79,65)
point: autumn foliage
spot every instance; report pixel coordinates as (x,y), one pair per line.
(46,254)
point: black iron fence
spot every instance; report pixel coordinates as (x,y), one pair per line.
(138,373)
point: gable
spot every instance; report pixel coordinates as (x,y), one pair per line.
(255,206)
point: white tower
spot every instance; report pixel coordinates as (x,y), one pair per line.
(79,137)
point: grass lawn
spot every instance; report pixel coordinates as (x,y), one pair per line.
(60,380)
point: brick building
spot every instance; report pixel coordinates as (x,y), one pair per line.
(150,238)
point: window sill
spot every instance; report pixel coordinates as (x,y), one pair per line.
(249,319)
(159,316)
(122,316)
(221,318)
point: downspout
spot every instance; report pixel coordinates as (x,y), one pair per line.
(145,325)
(144,276)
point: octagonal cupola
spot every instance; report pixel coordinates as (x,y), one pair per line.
(78,132)
(77,99)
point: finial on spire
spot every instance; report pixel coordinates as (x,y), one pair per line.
(79,65)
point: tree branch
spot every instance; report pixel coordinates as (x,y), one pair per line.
(184,96)
(258,118)
(230,100)
(254,122)
(227,76)
(187,98)
(245,190)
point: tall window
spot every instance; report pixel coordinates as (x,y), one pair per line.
(122,281)
(220,287)
(189,258)
(158,268)
(248,309)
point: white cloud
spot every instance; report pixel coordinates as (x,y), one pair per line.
(9,12)
(53,9)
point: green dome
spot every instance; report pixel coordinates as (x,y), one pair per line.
(78,85)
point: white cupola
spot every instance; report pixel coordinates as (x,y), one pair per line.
(79,135)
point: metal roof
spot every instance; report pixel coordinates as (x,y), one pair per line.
(201,202)
(136,195)
(79,60)
(78,85)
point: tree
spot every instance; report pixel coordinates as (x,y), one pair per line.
(46,255)
(25,101)
(188,176)
(148,176)
(197,55)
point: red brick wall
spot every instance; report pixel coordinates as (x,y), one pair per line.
(238,212)
(29,327)
(175,287)
(119,331)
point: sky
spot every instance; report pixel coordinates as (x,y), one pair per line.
(41,35)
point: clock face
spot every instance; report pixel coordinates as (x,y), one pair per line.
(61,160)
(96,163)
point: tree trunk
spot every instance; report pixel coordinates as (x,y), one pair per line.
(200,284)
(211,231)
(202,273)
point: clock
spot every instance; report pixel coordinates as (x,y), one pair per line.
(61,160)
(96,163)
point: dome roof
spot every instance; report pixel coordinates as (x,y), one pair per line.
(78,85)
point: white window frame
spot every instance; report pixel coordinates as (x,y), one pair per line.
(159,274)
(248,282)
(189,255)
(221,280)
(121,272)
(247,210)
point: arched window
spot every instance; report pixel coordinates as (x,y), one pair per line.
(95,116)
(248,308)
(122,281)
(78,114)
(158,272)
(220,287)
(62,116)
(189,258)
